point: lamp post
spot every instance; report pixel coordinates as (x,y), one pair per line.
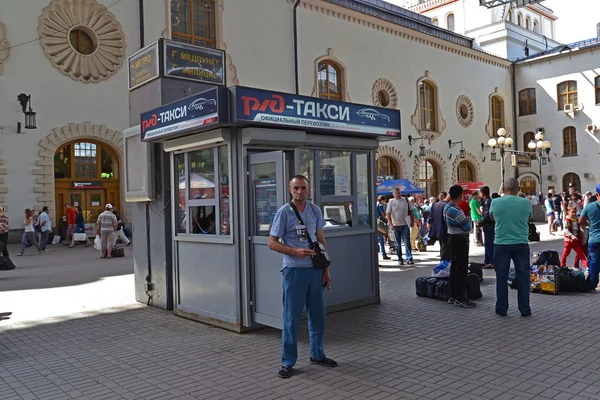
(25,100)
(542,154)
(502,142)
(461,152)
(412,140)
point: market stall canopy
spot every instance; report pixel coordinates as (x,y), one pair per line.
(406,187)
(470,187)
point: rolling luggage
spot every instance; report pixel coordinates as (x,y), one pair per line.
(118,252)
(473,287)
(433,288)
(6,264)
(421,286)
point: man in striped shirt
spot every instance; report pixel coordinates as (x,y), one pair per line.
(458,243)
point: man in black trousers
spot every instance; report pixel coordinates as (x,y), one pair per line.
(459,227)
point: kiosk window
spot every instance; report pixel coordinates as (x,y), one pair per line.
(264,179)
(335,173)
(337,214)
(362,190)
(203,197)
(307,168)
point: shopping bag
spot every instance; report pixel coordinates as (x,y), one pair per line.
(56,240)
(97,243)
(79,237)
(544,279)
(442,270)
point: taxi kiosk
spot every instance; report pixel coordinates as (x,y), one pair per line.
(232,152)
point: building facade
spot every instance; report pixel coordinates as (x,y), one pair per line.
(72,77)
(559,94)
(504,31)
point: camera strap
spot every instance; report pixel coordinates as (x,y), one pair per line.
(310,242)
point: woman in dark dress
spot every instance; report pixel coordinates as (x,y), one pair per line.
(79,227)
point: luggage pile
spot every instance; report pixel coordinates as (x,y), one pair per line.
(438,287)
(432,287)
(546,276)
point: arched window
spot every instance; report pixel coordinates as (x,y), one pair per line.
(570,141)
(85,160)
(450,22)
(536,26)
(465,172)
(497,114)
(528,185)
(527,102)
(510,15)
(386,167)
(567,94)
(429,178)
(427,106)
(435,22)
(527,23)
(519,19)
(571,179)
(194,22)
(329,77)
(597,88)
(527,138)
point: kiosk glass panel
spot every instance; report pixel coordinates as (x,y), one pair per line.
(362,190)
(180,210)
(307,168)
(224,182)
(202,174)
(264,180)
(335,173)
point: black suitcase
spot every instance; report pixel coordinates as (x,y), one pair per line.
(118,252)
(477,268)
(421,286)
(473,287)
(442,289)
(572,281)
(6,264)
(50,238)
(430,288)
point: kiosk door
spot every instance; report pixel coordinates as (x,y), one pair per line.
(267,193)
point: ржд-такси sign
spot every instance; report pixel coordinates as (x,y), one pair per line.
(275,108)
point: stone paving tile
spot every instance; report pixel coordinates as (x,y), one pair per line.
(404,348)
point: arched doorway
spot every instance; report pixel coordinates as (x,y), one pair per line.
(429,173)
(86,174)
(528,185)
(571,179)
(465,172)
(386,169)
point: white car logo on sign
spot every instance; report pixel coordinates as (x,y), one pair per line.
(200,103)
(372,114)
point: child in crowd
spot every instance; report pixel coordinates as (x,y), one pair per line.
(571,233)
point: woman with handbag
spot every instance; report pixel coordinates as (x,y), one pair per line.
(29,234)
(79,229)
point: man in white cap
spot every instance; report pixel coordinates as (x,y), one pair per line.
(106,228)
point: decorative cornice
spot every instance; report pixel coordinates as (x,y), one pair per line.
(377,24)
(4,47)
(431,5)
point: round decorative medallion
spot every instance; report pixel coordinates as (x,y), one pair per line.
(82,39)
(384,94)
(464,111)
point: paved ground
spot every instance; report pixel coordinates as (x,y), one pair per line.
(76,333)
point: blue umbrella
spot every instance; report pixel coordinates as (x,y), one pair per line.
(406,187)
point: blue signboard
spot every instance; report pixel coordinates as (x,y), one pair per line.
(275,108)
(199,110)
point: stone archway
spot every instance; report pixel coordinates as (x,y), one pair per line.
(44,187)
(472,159)
(441,163)
(394,154)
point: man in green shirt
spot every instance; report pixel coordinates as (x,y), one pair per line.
(476,217)
(511,214)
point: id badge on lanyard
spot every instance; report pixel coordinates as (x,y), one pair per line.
(301,232)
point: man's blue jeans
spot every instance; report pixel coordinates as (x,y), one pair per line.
(489,235)
(381,241)
(593,264)
(302,288)
(402,232)
(519,254)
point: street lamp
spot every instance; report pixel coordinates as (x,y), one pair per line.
(412,140)
(542,154)
(502,142)
(461,152)
(25,100)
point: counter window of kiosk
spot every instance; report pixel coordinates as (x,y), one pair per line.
(202,177)
(343,186)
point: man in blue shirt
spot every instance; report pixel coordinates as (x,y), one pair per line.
(303,284)
(458,244)
(45,227)
(590,216)
(511,214)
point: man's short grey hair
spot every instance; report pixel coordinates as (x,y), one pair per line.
(511,184)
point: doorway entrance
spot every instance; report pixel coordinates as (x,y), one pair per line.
(86,175)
